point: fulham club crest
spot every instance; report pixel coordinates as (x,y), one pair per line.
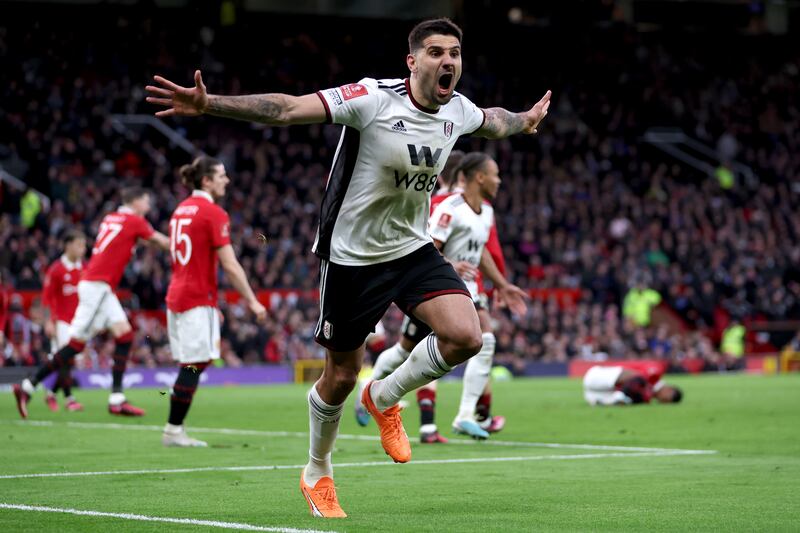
(448,129)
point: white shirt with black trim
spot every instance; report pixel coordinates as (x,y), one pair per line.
(392,149)
(463,232)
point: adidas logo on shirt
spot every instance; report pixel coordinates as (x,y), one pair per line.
(399,126)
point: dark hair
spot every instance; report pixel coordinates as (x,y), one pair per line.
(448,175)
(677,395)
(129,194)
(192,175)
(426,28)
(73,235)
(470,164)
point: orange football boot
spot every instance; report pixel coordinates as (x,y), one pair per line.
(321,498)
(393,435)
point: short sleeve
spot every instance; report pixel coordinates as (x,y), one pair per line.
(145,230)
(474,117)
(441,223)
(354,104)
(220,229)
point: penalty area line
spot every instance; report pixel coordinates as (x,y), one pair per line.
(343,436)
(465,460)
(162,519)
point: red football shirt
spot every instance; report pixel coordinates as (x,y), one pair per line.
(60,292)
(119,232)
(492,245)
(197,228)
(652,371)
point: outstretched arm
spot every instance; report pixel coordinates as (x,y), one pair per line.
(501,123)
(274,109)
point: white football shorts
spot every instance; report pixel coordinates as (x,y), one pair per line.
(98,308)
(194,335)
(599,386)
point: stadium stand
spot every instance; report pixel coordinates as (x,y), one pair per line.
(587,206)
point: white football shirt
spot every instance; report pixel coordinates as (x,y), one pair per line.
(391,151)
(463,232)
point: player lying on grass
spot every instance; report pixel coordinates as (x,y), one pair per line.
(372,237)
(98,306)
(461,226)
(628,383)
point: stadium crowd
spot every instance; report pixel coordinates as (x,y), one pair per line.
(585,204)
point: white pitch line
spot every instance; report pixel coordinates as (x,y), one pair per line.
(371,438)
(364,464)
(164,519)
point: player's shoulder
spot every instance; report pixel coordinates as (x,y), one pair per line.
(55,266)
(392,87)
(460,98)
(133,218)
(217,211)
(453,201)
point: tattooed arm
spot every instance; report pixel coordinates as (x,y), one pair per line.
(500,123)
(273,109)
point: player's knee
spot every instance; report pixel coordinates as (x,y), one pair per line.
(344,379)
(119,329)
(463,342)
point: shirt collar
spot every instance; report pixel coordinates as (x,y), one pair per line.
(125,210)
(69,264)
(203,194)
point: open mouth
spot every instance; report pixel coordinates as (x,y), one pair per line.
(445,81)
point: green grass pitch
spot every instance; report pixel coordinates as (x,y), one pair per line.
(751,483)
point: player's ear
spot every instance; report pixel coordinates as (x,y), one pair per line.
(411,61)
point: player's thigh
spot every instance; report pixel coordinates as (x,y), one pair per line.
(352,301)
(114,317)
(601,378)
(436,295)
(452,317)
(62,334)
(194,335)
(91,296)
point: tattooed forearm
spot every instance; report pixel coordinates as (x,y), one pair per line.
(266,108)
(501,123)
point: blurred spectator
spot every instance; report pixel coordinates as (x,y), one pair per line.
(584,204)
(639,303)
(30,206)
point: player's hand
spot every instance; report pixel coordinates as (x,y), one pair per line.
(50,329)
(466,271)
(259,310)
(513,297)
(180,101)
(537,113)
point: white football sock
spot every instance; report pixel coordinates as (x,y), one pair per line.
(388,361)
(424,364)
(28,387)
(323,425)
(476,376)
(116,398)
(172,429)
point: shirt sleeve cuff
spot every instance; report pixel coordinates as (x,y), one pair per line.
(328,118)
